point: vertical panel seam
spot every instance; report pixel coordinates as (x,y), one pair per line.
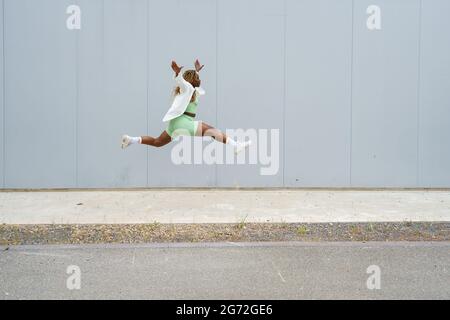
(4,95)
(77,92)
(103,59)
(284,90)
(147,32)
(217,82)
(418,93)
(351,93)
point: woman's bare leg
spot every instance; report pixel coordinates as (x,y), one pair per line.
(207,130)
(162,140)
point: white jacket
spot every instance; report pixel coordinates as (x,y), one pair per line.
(181,100)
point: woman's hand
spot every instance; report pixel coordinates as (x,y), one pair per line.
(198,66)
(176,68)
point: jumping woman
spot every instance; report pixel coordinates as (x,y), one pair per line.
(182,113)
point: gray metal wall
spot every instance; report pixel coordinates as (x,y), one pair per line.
(354,107)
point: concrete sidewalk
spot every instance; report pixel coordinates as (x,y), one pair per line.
(223,206)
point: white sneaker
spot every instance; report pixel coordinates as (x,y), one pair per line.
(126,141)
(241,146)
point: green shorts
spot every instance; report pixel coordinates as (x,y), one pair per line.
(183,125)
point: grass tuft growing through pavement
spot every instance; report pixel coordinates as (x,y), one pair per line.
(302,230)
(242,223)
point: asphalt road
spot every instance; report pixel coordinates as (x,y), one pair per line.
(228,271)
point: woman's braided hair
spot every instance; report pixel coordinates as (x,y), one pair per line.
(193,78)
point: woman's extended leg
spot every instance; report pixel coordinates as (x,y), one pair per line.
(206,130)
(160,141)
